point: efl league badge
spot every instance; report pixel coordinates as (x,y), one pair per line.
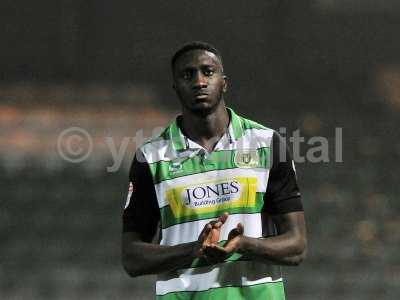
(247,158)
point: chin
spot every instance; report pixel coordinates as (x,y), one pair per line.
(203,108)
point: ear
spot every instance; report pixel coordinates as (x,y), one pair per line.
(225,86)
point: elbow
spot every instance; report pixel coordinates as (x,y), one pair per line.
(133,259)
(130,267)
(300,253)
(132,272)
(298,259)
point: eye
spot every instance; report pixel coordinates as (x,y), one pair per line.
(187,75)
(208,72)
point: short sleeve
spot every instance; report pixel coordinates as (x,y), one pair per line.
(282,194)
(141,213)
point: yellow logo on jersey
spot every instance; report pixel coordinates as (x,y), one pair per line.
(212,196)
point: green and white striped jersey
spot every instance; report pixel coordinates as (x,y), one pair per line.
(187,187)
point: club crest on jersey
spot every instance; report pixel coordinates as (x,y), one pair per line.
(247,158)
(175,166)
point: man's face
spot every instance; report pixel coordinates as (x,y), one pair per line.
(199,80)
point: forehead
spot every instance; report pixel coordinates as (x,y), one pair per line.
(197,57)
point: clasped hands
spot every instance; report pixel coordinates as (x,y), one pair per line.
(208,240)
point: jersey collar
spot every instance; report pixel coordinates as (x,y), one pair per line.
(180,142)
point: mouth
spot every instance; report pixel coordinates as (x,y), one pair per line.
(201,96)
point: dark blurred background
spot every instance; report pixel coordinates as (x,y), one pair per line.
(103,66)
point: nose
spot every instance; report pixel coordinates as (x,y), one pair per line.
(199,81)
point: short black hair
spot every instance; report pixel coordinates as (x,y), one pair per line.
(195,45)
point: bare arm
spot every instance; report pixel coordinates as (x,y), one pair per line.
(140,218)
(288,247)
(141,258)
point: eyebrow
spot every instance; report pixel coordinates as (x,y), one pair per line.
(206,65)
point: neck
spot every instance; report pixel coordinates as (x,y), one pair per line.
(207,129)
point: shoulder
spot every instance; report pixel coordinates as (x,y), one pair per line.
(255,130)
(250,124)
(155,147)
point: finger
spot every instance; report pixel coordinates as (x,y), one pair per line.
(215,252)
(215,224)
(236,231)
(231,245)
(222,218)
(219,249)
(233,233)
(206,230)
(240,228)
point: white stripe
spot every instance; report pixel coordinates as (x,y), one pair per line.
(160,149)
(254,139)
(190,231)
(259,173)
(240,273)
(231,131)
(157,150)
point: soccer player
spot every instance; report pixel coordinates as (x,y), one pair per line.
(221,188)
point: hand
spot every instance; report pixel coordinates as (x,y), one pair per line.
(217,253)
(215,232)
(234,237)
(211,233)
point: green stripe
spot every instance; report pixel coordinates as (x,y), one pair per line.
(173,133)
(218,160)
(249,124)
(176,136)
(234,257)
(200,262)
(168,219)
(236,123)
(165,134)
(263,291)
